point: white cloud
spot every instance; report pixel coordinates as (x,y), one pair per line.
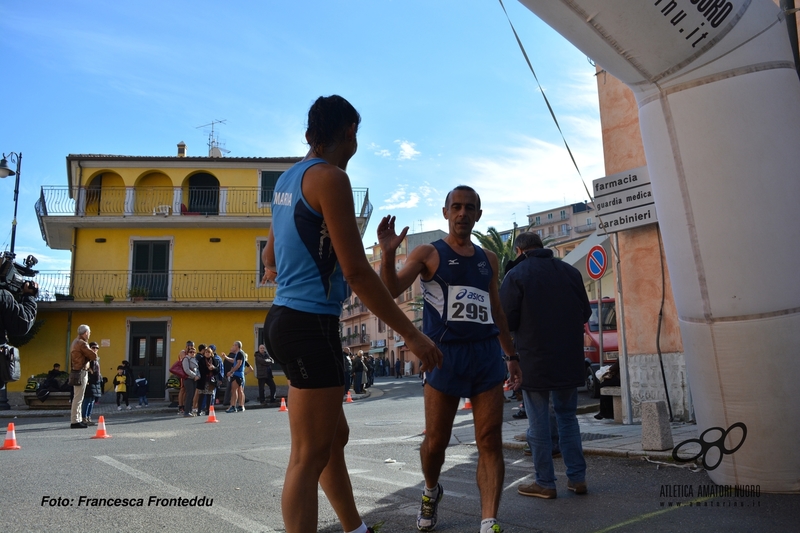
(401,199)
(533,176)
(381,152)
(407,151)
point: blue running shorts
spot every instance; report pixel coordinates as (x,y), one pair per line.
(468,368)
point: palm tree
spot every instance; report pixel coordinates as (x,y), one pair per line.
(504,250)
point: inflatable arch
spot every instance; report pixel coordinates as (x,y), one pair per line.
(719,109)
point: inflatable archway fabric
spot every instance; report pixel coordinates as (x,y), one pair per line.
(719,108)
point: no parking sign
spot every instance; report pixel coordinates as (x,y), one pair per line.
(596,262)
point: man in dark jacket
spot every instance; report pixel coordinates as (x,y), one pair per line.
(546,305)
(264,364)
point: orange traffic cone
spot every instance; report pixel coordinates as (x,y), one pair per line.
(101,429)
(349,398)
(283,405)
(212,417)
(467,404)
(11,438)
(506,388)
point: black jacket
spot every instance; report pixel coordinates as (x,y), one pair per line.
(15,318)
(546,305)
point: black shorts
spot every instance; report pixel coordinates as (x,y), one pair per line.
(237,379)
(307,346)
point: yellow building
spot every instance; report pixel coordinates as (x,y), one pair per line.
(164,250)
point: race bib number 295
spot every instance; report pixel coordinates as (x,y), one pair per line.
(468,304)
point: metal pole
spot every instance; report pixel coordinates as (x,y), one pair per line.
(16,198)
(600,318)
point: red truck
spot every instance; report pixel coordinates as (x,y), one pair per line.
(591,342)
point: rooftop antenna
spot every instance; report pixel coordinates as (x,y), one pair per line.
(215,148)
(420,225)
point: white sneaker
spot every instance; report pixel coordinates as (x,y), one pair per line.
(138,406)
(128,408)
(119,408)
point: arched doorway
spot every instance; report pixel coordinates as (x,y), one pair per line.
(204,194)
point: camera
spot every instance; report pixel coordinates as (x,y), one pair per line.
(12,274)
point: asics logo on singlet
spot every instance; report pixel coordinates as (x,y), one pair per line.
(282,198)
(470,295)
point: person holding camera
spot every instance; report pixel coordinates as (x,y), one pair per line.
(16,318)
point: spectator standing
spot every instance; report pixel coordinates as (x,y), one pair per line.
(236,377)
(348,370)
(220,374)
(546,305)
(207,384)
(142,388)
(358,373)
(92,392)
(192,375)
(369,367)
(130,380)
(121,388)
(398,368)
(80,355)
(182,392)
(264,375)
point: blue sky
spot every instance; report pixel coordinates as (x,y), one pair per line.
(444,93)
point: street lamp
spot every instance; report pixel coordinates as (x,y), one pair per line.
(5,171)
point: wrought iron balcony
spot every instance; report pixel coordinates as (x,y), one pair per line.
(167,201)
(61,208)
(173,286)
(350,310)
(355,339)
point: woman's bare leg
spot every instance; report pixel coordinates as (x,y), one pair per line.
(319,433)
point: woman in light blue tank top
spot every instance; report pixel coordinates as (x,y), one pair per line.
(314,246)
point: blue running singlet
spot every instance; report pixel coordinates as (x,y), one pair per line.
(309,276)
(457,306)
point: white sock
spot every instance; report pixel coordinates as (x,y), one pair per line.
(361,529)
(432,493)
(487,524)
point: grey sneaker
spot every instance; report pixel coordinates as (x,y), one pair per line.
(429,511)
(537,491)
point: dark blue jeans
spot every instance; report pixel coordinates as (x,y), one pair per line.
(565,405)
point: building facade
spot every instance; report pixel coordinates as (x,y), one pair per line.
(164,250)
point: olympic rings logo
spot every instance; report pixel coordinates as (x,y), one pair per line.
(707,446)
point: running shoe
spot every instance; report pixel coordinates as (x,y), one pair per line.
(231,410)
(429,511)
(240,409)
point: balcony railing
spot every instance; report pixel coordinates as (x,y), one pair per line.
(173,286)
(353,310)
(355,339)
(586,228)
(149,201)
